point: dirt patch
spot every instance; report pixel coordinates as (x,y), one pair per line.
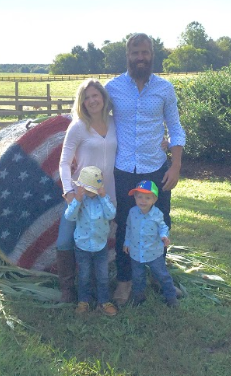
(205,170)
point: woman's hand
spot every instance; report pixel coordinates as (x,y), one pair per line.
(69,197)
(164,144)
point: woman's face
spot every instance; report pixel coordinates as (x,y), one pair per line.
(93,101)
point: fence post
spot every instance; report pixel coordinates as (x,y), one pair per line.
(48,99)
(16,95)
(59,107)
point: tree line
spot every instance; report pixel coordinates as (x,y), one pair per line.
(196,52)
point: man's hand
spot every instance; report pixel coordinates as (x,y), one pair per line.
(171,178)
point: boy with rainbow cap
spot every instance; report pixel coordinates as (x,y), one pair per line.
(146,237)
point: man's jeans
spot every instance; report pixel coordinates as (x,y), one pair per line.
(99,260)
(159,272)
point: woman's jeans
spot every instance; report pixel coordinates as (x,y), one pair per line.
(65,241)
(99,260)
(159,271)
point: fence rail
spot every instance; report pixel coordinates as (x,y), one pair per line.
(66,77)
(24,106)
(44,78)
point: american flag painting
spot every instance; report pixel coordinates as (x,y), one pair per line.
(31,200)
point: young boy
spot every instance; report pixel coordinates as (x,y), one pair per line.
(92,210)
(146,237)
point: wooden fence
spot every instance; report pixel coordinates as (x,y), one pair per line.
(66,77)
(46,77)
(23,106)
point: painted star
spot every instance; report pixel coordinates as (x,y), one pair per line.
(6,212)
(46,198)
(44,179)
(3,174)
(16,157)
(27,195)
(5,193)
(25,214)
(4,234)
(23,175)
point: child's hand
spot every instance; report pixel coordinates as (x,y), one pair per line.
(80,193)
(126,249)
(101,192)
(166,241)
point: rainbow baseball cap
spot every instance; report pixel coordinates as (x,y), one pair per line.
(145,186)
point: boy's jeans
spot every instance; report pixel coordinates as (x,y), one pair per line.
(99,260)
(159,271)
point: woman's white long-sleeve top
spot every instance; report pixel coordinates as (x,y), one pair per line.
(88,148)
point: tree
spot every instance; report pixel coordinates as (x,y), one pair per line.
(224,45)
(25,69)
(160,53)
(95,59)
(115,57)
(186,59)
(82,63)
(64,64)
(194,35)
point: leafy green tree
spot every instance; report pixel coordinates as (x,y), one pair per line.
(24,69)
(64,64)
(224,44)
(186,59)
(160,53)
(95,59)
(82,63)
(194,35)
(115,57)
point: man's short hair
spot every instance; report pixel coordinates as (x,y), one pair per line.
(137,38)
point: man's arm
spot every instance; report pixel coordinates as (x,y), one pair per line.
(171,176)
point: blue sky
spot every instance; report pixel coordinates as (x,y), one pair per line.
(35,31)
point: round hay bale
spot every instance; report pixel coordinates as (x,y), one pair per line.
(30,192)
(31,200)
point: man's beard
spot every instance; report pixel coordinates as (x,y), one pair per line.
(140,72)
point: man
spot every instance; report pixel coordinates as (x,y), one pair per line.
(142,105)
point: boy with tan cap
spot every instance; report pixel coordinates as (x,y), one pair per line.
(146,237)
(92,210)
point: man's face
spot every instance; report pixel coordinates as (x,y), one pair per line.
(140,60)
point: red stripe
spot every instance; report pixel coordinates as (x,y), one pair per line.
(38,135)
(39,246)
(50,165)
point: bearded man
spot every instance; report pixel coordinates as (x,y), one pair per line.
(144,108)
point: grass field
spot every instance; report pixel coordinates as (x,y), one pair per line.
(40,339)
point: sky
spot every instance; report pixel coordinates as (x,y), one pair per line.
(36,31)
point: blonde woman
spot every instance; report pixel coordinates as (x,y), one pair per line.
(90,140)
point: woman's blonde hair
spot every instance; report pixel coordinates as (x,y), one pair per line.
(79,110)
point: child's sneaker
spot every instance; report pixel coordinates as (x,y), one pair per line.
(108,309)
(82,307)
(172,303)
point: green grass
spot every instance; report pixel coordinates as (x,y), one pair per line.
(38,338)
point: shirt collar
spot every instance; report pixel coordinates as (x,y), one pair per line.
(151,77)
(148,214)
